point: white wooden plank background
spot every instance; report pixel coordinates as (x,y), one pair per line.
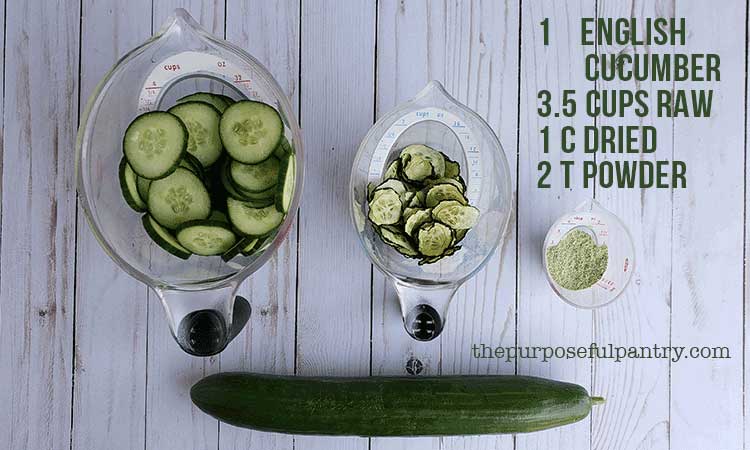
(86,359)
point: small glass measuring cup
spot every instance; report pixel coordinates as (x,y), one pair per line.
(182,58)
(606,229)
(435,119)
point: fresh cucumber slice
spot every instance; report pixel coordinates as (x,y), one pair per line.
(240,246)
(217,215)
(249,248)
(164,238)
(385,207)
(419,162)
(215,100)
(202,122)
(455,215)
(263,243)
(253,221)
(206,237)
(129,187)
(154,144)
(250,131)
(286,184)
(255,177)
(178,198)
(416,220)
(441,192)
(192,164)
(227,99)
(434,238)
(142,184)
(283,149)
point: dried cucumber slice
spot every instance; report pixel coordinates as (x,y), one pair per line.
(433,238)
(452,169)
(396,185)
(408,213)
(434,259)
(455,215)
(206,237)
(419,162)
(460,186)
(393,170)
(385,207)
(418,201)
(442,192)
(399,241)
(416,220)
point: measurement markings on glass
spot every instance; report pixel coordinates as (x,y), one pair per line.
(196,63)
(466,138)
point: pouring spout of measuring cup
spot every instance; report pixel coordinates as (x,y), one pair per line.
(203,322)
(424,308)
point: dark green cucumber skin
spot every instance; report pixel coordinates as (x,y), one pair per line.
(379,406)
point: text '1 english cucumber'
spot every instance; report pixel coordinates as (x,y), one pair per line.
(198,198)
(420,207)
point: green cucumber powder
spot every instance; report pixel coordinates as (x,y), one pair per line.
(576,262)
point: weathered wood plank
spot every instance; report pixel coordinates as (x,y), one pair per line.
(110,354)
(38,223)
(333,319)
(408,35)
(707,257)
(640,317)
(270,32)
(543,319)
(482,72)
(172,422)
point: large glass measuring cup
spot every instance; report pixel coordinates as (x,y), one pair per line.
(437,120)
(197,294)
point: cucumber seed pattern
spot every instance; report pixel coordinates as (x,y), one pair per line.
(250,130)
(152,141)
(207,241)
(196,134)
(179,199)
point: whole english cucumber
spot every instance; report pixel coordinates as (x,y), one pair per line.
(385,406)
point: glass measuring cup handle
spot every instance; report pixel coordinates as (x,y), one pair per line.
(204,322)
(424,308)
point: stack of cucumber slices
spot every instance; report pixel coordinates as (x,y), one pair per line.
(214,176)
(420,208)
